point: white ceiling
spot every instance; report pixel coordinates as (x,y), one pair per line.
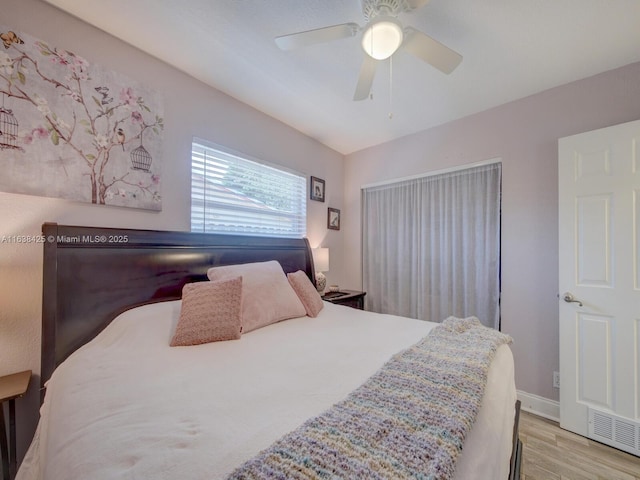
(511,49)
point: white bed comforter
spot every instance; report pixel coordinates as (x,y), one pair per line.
(128,406)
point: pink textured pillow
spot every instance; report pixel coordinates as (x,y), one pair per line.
(306,292)
(211,312)
(267,296)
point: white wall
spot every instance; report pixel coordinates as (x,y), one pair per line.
(524,135)
(190,109)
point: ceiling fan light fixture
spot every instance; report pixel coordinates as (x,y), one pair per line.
(382,37)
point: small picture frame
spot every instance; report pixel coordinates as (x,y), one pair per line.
(333,219)
(317,189)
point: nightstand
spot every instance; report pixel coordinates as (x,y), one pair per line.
(349,298)
(11,387)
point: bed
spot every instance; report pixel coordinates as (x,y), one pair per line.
(121,403)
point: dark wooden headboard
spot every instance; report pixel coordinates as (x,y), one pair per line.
(91,275)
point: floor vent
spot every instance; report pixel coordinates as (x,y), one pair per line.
(619,432)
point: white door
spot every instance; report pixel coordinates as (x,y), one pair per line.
(599,262)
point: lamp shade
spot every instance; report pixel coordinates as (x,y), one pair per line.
(382,37)
(321,259)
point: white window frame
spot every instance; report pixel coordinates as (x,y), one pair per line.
(217,206)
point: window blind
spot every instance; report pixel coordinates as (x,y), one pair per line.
(232,194)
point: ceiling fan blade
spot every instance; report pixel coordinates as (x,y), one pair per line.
(319,35)
(365,79)
(415,4)
(431,51)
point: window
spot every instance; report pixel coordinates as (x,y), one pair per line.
(232,194)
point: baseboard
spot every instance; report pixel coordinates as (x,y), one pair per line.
(540,406)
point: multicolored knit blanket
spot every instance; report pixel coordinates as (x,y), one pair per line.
(409,420)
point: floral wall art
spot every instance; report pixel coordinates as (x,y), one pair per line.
(74,130)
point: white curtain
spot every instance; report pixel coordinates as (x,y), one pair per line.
(431,246)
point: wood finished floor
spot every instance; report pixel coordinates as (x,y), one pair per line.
(550,453)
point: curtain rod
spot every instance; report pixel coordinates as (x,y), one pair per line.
(433,173)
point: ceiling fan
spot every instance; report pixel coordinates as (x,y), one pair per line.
(382,36)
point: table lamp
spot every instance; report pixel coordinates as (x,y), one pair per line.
(321,262)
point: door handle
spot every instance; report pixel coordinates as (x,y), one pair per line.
(569,298)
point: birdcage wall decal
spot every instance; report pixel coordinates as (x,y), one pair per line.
(8,129)
(141,159)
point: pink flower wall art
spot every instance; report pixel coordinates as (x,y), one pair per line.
(74,130)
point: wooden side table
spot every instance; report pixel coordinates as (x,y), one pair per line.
(11,387)
(350,298)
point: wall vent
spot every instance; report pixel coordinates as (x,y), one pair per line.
(619,432)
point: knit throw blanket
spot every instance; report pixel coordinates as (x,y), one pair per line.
(409,420)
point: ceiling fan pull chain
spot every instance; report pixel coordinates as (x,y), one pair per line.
(391,87)
(371,48)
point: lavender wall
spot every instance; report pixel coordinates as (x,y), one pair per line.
(190,109)
(524,135)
